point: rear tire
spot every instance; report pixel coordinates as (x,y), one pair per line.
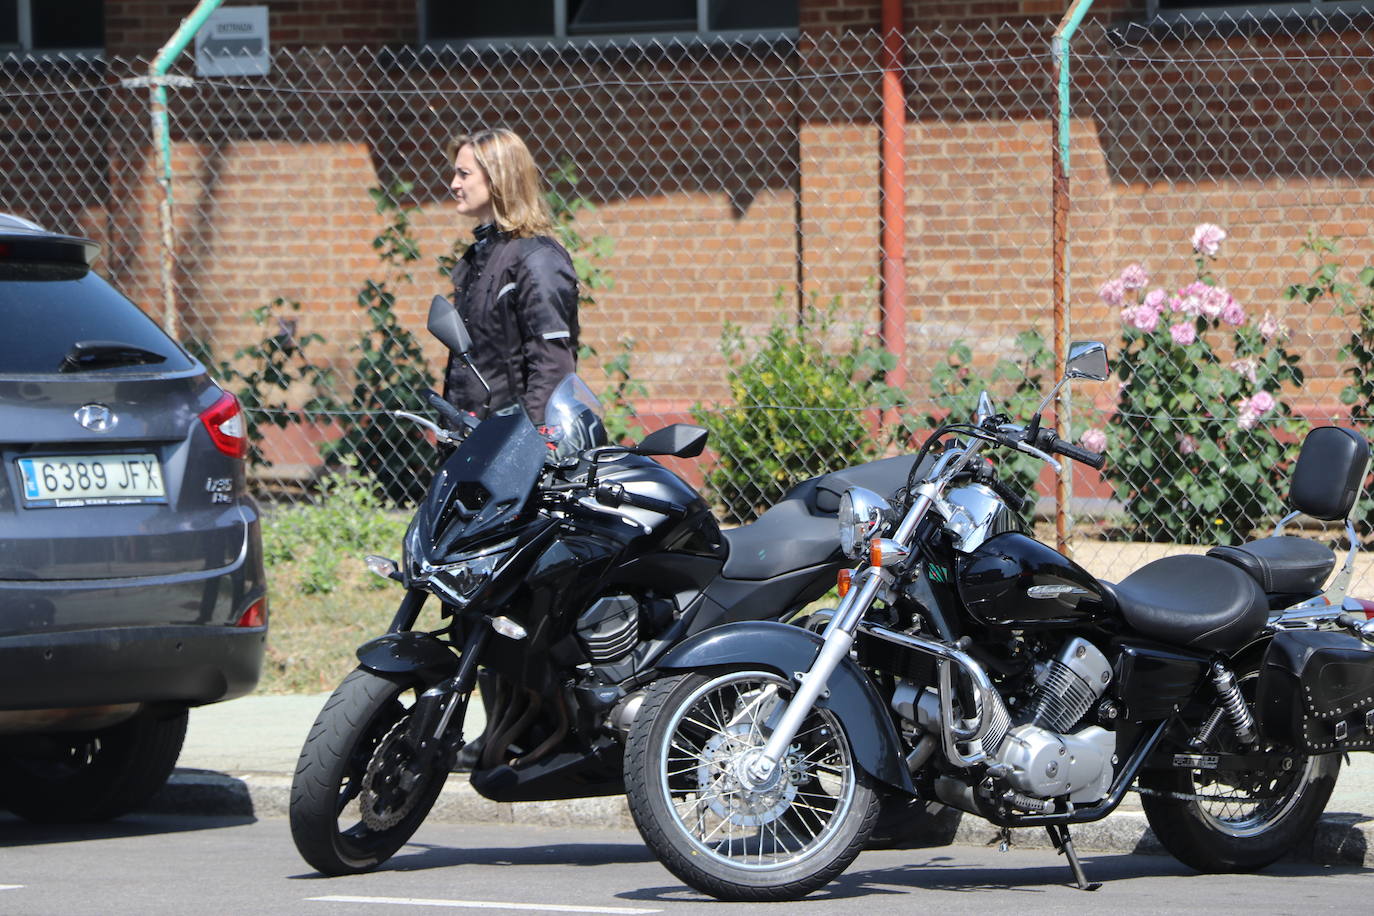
(733,843)
(353,803)
(1235,830)
(79,778)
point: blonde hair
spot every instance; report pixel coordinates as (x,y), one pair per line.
(506,163)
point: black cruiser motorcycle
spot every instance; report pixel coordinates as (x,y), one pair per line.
(973,665)
(564,567)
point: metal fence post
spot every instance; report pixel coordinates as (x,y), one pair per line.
(157,88)
(1063,36)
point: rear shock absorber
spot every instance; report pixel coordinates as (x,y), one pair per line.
(1234,703)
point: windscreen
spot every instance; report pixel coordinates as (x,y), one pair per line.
(574,418)
(46,308)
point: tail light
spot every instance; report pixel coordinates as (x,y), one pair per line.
(255,616)
(224,422)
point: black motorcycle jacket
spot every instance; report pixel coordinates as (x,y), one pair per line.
(518,298)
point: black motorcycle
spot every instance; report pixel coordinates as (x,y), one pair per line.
(564,568)
(972,665)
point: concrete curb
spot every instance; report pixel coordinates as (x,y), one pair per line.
(1339,839)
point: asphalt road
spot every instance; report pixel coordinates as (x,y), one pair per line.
(160,864)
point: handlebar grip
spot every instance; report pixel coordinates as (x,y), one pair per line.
(613,494)
(1093,460)
(453,417)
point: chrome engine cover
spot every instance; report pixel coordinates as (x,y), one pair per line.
(1045,764)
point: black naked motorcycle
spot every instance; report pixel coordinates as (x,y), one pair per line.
(973,665)
(564,567)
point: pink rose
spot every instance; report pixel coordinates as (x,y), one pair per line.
(1112,292)
(1245,368)
(1191,298)
(1214,300)
(1207,239)
(1156,299)
(1094,440)
(1233,314)
(1187,445)
(1142,317)
(1262,402)
(1268,328)
(1134,277)
(1183,333)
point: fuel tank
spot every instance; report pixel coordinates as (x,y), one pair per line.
(1012,580)
(697,532)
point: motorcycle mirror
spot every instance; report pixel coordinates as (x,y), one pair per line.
(681,440)
(1087,359)
(446,324)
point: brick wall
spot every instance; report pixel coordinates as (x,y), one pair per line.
(712,192)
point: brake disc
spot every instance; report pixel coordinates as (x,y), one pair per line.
(385,779)
(718,780)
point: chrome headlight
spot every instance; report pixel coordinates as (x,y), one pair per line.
(458,583)
(861,515)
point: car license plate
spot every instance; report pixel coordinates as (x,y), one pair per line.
(62,481)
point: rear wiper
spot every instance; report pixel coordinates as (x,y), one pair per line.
(103,354)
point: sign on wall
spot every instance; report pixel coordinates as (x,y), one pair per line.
(234,42)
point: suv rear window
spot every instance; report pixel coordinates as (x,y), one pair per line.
(46,308)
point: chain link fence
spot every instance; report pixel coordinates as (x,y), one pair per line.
(724,205)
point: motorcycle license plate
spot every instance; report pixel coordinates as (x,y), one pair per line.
(68,481)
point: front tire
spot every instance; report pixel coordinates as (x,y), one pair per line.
(681,761)
(81,778)
(353,801)
(1238,821)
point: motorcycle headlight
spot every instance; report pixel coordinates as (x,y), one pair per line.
(458,583)
(861,516)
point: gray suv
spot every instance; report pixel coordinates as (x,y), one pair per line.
(131,575)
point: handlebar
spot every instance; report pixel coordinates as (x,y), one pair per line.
(454,418)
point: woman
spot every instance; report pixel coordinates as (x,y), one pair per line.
(515,286)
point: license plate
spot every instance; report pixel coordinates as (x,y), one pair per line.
(63,481)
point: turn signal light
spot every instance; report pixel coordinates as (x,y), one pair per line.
(843,581)
(885,551)
(256,615)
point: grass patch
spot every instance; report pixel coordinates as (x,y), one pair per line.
(324,601)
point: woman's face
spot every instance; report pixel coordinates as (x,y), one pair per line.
(470,187)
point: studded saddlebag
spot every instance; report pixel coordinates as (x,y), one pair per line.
(1316,691)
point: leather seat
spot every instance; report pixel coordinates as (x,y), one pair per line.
(1282,565)
(801,529)
(1191,601)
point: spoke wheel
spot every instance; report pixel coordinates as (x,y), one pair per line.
(687,761)
(358,794)
(1238,820)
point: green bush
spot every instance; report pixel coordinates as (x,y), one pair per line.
(1350,298)
(1202,444)
(797,410)
(348,521)
(1016,389)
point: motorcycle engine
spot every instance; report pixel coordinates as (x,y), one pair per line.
(609,629)
(1043,758)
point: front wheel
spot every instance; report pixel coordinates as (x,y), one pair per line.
(1238,820)
(358,794)
(683,762)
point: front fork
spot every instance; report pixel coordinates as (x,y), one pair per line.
(437,706)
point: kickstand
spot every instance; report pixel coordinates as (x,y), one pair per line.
(1059,836)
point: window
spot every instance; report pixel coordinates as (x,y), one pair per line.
(1213,10)
(51,26)
(463,21)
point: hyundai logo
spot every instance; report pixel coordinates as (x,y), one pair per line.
(97,418)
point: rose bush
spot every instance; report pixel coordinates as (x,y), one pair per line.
(1201,444)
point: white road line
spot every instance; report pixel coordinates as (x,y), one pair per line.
(489,905)
(10,887)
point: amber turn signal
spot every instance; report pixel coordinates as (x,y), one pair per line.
(843,581)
